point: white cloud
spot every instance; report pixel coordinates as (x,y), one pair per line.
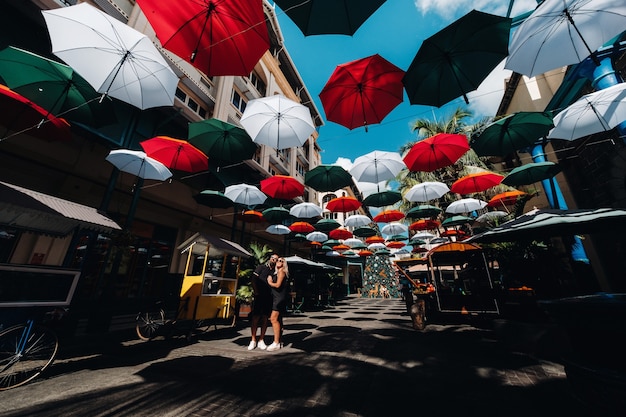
(345,163)
(485,100)
(453,9)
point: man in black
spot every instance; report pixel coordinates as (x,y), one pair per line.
(262,304)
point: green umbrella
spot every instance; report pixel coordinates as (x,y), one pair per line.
(511,133)
(326,225)
(275,215)
(221,141)
(328,178)
(422,211)
(364,231)
(213,199)
(54,86)
(397,238)
(382,198)
(456,221)
(531,173)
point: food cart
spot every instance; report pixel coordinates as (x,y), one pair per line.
(453,278)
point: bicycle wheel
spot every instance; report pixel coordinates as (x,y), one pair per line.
(20,365)
(148,324)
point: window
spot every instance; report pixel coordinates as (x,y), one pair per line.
(257,82)
(300,168)
(238,101)
(180,94)
(193,105)
(327,198)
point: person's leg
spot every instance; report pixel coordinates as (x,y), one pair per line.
(263,321)
(275,320)
(254,325)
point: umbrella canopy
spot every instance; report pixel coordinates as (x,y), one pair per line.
(114,58)
(244,194)
(357,220)
(328,178)
(456,221)
(353,242)
(397,237)
(325,17)
(217,37)
(277,122)
(251,216)
(176,153)
(457,59)
(531,173)
(316,236)
(465,205)
(364,231)
(382,198)
(491,217)
(138,164)
(301,227)
(387,216)
(306,210)
(276,215)
(424,224)
(340,234)
(508,198)
(424,210)
(278,229)
(426,191)
(374,239)
(563,32)
(221,141)
(54,86)
(377,166)
(438,151)
(422,236)
(394,228)
(362,92)
(512,133)
(343,204)
(282,187)
(395,245)
(593,113)
(326,225)
(476,182)
(214,199)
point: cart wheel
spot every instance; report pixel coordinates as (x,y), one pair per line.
(418,314)
(149,323)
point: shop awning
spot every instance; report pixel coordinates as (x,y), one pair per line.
(35,211)
(217,246)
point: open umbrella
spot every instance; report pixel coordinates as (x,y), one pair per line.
(353,242)
(325,17)
(278,229)
(114,58)
(531,173)
(438,151)
(356,220)
(424,224)
(465,205)
(364,231)
(139,164)
(328,178)
(221,141)
(343,204)
(507,198)
(176,153)
(456,60)
(244,194)
(362,92)
(421,236)
(426,191)
(476,182)
(394,228)
(456,221)
(374,239)
(377,166)
(217,37)
(54,86)
(213,199)
(340,233)
(282,187)
(277,122)
(424,210)
(382,198)
(395,245)
(317,236)
(563,32)
(306,210)
(387,216)
(512,133)
(326,225)
(251,216)
(491,217)
(276,215)
(301,227)
(593,113)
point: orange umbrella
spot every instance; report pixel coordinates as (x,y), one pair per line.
(387,216)
(341,248)
(436,152)
(340,234)
(374,239)
(424,224)
(508,198)
(476,183)
(176,154)
(452,232)
(343,204)
(251,216)
(282,187)
(365,252)
(301,227)
(395,244)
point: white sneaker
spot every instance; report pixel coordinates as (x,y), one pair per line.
(252,345)
(274,346)
(261,345)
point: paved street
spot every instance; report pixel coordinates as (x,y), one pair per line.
(359,358)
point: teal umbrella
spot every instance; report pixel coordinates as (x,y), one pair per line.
(456,221)
(364,231)
(328,178)
(422,211)
(213,199)
(382,198)
(222,142)
(326,225)
(531,173)
(276,215)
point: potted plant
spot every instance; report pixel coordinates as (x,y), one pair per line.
(245,293)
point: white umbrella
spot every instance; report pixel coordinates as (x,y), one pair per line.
(375,246)
(377,166)
(491,216)
(114,58)
(353,242)
(421,236)
(277,121)
(305,210)
(592,113)
(563,32)
(317,237)
(394,228)
(244,194)
(138,164)
(278,229)
(357,220)
(466,205)
(426,191)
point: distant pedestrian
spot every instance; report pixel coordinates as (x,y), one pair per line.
(280,287)
(262,304)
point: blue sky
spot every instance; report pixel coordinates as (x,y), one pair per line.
(396,32)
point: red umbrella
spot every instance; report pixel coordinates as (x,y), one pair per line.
(424,224)
(507,198)
(217,37)
(282,187)
(340,234)
(176,154)
(343,204)
(475,183)
(436,152)
(301,227)
(362,92)
(387,216)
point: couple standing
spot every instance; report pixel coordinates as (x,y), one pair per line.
(270,299)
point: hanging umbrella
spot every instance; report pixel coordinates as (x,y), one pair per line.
(114,58)
(340,234)
(424,210)
(301,227)
(251,216)
(282,187)
(377,166)
(176,153)
(512,133)
(343,204)
(54,86)
(139,164)
(438,151)
(397,238)
(376,246)
(217,37)
(465,205)
(332,242)
(563,32)
(244,194)
(20,115)
(277,122)
(316,236)
(426,191)
(364,231)
(276,215)
(424,224)
(326,225)
(328,178)
(278,229)
(374,239)
(457,59)
(456,221)
(324,17)
(593,113)
(422,236)
(491,217)
(356,220)
(382,198)
(508,198)
(395,245)
(476,182)
(416,242)
(531,173)
(362,92)
(305,210)
(353,242)
(221,141)
(387,216)
(365,252)
(213,199)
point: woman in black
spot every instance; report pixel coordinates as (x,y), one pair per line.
(278,282)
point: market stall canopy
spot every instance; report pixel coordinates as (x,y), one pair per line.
(32,210)
(217,246)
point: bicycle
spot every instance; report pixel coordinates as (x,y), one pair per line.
(26,350)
